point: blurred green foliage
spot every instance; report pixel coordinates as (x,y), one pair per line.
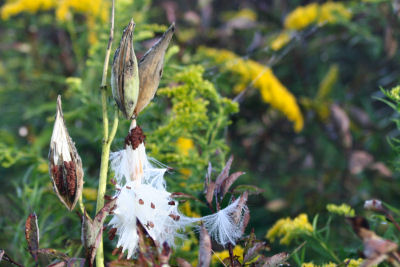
(347,151)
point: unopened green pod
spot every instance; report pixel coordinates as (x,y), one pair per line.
(125,74)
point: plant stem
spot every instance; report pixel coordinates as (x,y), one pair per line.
(107,139)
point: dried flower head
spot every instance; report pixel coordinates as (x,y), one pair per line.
(125,74)
(65,165)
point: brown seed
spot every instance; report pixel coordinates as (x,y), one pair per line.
(141,202)
(150,224)
(111,233)
(174,217)
(172,203)
(152,205)
(128,187)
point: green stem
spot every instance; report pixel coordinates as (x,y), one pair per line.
(107,139)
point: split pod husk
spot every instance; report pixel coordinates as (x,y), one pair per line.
(65,165)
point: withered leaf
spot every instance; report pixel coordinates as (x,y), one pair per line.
(227,183)
(183,263)
(53,254)
(276,260)
(359,160)
(204,248)
(92,230)
(342,124)
(5,257)
(65,165)
(151,69)
(252,252)
(32,235)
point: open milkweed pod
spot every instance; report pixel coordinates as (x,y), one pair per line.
(65,165)
(151,69)
(125,74)
(132,163)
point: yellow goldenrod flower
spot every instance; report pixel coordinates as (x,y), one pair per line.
(253,73)
(343,209)
(280,41)
(395,93)
(184,145)
(353,262)
(347,262)
(287,229)
(245,13)
(220,256)
(301,17)
(93,10)
(185,208)
(332,12)
(304,16)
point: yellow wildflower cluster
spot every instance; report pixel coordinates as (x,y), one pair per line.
(220,256)
(395,93)
(346,262)
(288,229)
(253,73)
(344,209)
(92,9)
(184,145)
(304,16)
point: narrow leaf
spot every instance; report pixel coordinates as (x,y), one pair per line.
(32,235)
(204,248)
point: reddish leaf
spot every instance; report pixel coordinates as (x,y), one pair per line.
(183,263)
(210,192)
(92,230)
(227,183)
(165,254)
(58,264)
(276,260)
(205,248)
(253,251)
(5,257)
(32,235)
(52,253)
(359,160)
(224,174)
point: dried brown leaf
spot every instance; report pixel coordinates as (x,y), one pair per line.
(53,254)
(227,183)
(204,248)
(276,260)
(252,252)
(32,235)
(183,263)
(359,160)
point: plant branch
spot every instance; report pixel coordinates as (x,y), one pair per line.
(107,140)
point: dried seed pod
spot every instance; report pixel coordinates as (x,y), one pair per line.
(125,74)
(151,69)
(65,165)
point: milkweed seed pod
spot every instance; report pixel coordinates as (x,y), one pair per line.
(151,69)
(65,165)
(125,74)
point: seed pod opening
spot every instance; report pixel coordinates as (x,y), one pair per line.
(65,165)
(151,69)
(125,74)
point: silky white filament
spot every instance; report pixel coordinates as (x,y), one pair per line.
(223,227)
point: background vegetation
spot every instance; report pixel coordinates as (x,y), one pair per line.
(298,91)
